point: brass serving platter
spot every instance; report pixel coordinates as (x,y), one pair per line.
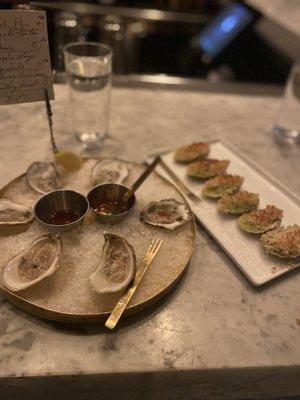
(65,295)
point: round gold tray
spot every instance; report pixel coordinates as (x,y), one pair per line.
(65,296)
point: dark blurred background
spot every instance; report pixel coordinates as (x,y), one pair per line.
(208,39)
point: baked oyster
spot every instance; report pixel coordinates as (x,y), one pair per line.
(238,203)
(168,214)
(109,171)
(282,242)
(192,152)
(205,169)
(43,177)
(39,260)
(260,221)
(14,214)
(117,265)
(222,185)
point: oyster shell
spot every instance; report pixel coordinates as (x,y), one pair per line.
(14,214)
(205,169)
(192,152)
(238,203)
(222,185)
(43,177)
(167,214)
(109,171)
(282,242)
(39,260)
(117,265)
(260,221)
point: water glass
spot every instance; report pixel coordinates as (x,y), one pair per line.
(287,124)
(88,66)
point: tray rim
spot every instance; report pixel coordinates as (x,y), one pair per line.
(92,318)
(278,184)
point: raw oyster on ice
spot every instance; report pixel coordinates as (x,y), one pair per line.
(167,214)
(14,214)
(43,177)
(39,260)
(109,171)
(117,265)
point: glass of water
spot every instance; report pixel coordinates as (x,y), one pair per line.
(88,66)
(287,124)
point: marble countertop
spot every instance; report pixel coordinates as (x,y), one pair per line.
(285,12)
(219,336)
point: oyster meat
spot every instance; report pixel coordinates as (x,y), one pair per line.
(222,185)
(260,221)
(238,203)
(282,242)
(109,171)
(167,214)
(43,177)
(205,169)
(39,260)
(117,265)
(14,214)
(192,152)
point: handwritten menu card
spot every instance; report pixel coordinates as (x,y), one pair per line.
(25,69)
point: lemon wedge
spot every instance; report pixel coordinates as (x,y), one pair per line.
(69,161)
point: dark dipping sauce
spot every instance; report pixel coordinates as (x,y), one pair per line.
(63,217)
(109,207)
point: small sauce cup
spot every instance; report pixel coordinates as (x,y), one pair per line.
(57,205)
(105,201)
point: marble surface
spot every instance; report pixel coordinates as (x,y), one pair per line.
(285,12)
(215,335)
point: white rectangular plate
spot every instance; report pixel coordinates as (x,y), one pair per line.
(244,249)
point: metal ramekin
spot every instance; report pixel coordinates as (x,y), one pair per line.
(110,192)
(57,200)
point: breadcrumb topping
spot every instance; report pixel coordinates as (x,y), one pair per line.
(192,152)
(207,168)
(283,242)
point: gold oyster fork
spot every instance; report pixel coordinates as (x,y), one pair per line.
(125,299)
